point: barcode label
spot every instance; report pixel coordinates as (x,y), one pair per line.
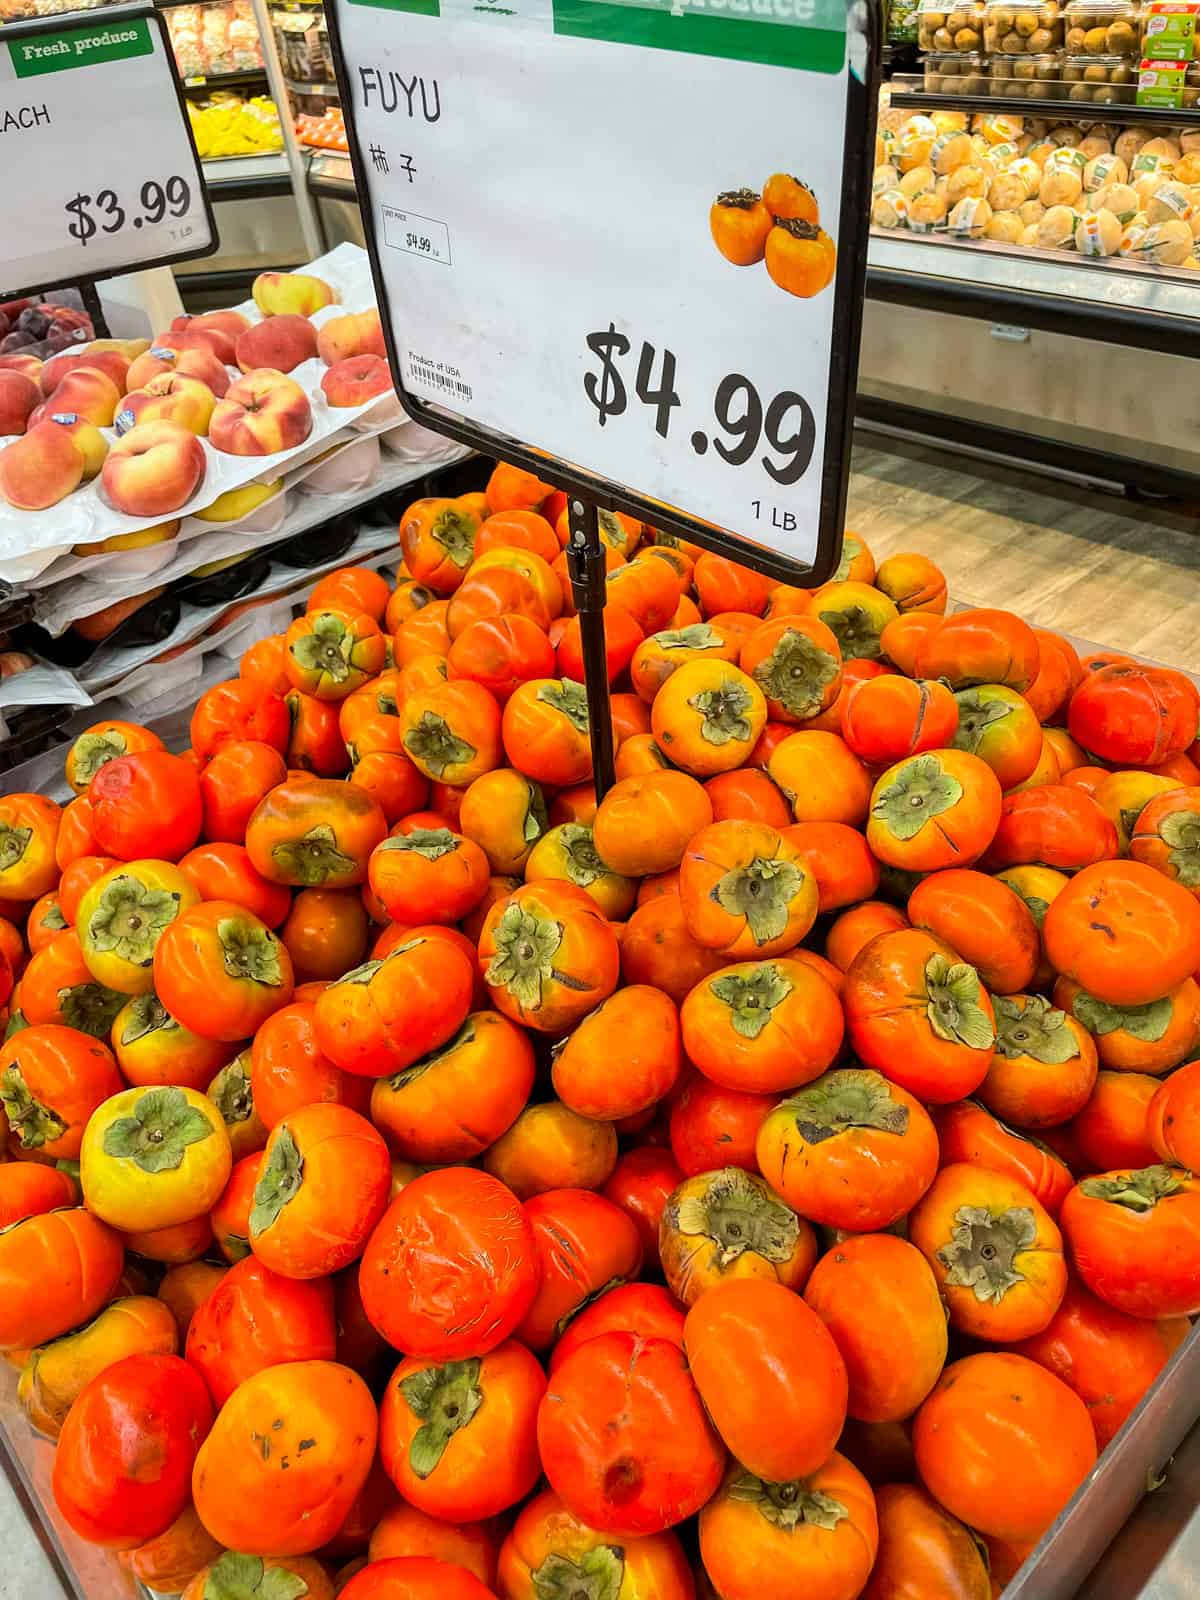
(422,371)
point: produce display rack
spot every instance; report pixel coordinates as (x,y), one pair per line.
(1133,116)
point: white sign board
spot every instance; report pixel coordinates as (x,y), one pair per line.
(628,234)
(100,172)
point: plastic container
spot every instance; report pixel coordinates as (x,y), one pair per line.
(1169,30)
(1102,28)
(958,30)
(1026,77)
(1099,80)
(956,74)
(1010,30)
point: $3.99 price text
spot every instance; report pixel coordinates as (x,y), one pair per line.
(785,423)
(104,212)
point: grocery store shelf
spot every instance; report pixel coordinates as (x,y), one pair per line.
(1069,110)
(225,80)
(1114,301)
(324,86)
(247,177)
(331,174)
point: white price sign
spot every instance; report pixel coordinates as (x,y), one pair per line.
(100,172)
(631,234)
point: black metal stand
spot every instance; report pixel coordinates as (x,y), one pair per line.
(91,304)
(588,570)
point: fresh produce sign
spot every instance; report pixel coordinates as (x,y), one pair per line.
(579,249)
(74,204)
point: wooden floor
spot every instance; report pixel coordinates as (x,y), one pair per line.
(1101,568)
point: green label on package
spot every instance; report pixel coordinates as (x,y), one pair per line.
(1160,83)
(1169,32)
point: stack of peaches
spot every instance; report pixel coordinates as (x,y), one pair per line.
(131,414)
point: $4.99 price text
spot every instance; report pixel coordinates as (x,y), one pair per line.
(785,423)
(88,214)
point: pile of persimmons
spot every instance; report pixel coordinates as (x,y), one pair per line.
(423,1183)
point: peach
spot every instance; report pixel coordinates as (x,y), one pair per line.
(262,413)
(111,362)
(137,540)
(171,396)
(281,342)
(20,362)
(235,504)
(153,470)
(202,364)
(217,341)
(230,323)
(40,469)
(88,440)
(296,292)
(19,394)
(85,391)
(358,333)
(354,382)
(131,349)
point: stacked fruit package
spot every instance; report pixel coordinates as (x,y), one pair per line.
(425,1182)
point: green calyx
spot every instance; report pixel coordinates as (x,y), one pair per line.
(583,862)
(249,952)
(738,1213)
(17,1023)
(696,636)
(444,1399)
(796,674)
(953,1009)
(569,698)
(1180,832)
(157,1134)
(1136,1191)
(851,548)
(231,1093)
(93,751)
(1147,1023)
(762,892)
(326,648)
(983,1247)
(146,1014)
(975,716)
(855,631)
(14,842)
(130,918)
(432,843)
(434,745)
(920,791)
(464,1036)
(279,1181)
(53,917)
(723,713)
(90,1007)
(526,946)
(751,997)
(313,857)
(238,1577)
(611,531)
(838,1101)
(537,819)
(596,1575)
(455,531)
(33,1123)
(1035,1029)
(788,1505)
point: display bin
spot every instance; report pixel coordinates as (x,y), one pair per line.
(955,29)
(1097,28)
(1022,30)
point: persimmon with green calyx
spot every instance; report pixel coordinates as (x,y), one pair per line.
(314,833)
(154,1157)
(797,663)
(999,726)
(451,732)
(1132,1237)
(152,1047)
(324,1184)
(123,915)
(849,1150)
(57,987)
(728,1224)
(1166,835)
(763,1026)
(329,654)
(1045,1064)
(548,955)
(51,1081)
(996,1252)
(792,1540)
(856,614)
(935,810)
(221,972)
(240,1577)
(105,741)
(568,854)
(459,1438)
(746,890)
(552,1554)
(233,1095)
(708,716)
